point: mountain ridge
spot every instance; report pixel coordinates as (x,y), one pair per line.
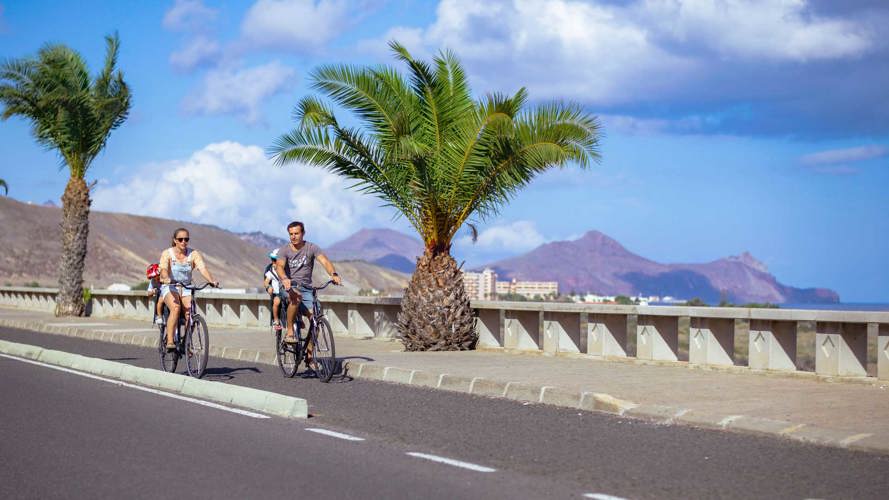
(597,263)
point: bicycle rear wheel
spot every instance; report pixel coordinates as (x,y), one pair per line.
(288,355)
(197,348)
(169,357)
(324,352)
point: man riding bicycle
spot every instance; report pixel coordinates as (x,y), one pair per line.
(294,265)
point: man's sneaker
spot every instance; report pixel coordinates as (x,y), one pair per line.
(159,321)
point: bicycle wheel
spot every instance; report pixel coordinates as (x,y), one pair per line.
(197,348)
(288,355)
(325,351)
(169,357)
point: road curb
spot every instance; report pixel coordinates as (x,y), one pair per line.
(244,397)
(577,400)
(606,403)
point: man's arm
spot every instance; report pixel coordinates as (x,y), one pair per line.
(279,269)
(328,266)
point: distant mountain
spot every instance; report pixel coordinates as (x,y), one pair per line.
(598,263)
(384,247)
(263,240)
(120,247)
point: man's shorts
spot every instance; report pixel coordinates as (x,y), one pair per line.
(305,305)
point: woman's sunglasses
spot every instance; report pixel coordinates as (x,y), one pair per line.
(182,239)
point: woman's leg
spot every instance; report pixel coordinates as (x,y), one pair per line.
(173,305)
(186,306)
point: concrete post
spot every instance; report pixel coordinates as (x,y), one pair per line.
(772,345)
(883,351)
(657,338)
(841,349)
(561,332)
(338,316)
(607,335)
(522,330)
(385,318)
(488,326)
(361,320)
(711,341)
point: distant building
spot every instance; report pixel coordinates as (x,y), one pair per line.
(481,286)
(529,289)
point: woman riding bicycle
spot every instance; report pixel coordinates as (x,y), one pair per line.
(176,264)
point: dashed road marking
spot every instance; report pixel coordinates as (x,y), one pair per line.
(338,435)
(79,324)
(450,461)
(146,389)
(602,496)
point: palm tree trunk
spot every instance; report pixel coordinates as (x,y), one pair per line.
(75,230)
(435,311)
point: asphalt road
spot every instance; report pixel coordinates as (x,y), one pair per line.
(538,451)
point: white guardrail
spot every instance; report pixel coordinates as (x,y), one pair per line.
(833,343)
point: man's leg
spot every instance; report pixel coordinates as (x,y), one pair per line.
(292,308)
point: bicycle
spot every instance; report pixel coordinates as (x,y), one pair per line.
(290,355)
(193,343)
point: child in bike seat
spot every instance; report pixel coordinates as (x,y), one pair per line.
(153,274)
(273,288)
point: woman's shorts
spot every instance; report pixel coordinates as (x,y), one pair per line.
(165,289)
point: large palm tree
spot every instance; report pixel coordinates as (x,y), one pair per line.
(5,187)
(74,114)
(441,158)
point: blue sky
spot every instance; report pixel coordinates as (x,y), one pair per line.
(730,126)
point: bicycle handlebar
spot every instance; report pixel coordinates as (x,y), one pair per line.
(191,287)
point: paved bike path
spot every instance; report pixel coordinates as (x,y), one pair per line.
(799,407)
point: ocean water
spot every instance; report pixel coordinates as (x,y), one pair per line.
(852,306)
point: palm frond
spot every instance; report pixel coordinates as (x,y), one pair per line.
(427,148)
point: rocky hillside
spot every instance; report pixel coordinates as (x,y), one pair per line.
(120,247)
(597,263)
(383,247)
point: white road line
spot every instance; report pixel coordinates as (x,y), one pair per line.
(79,324)
(602,496)
(127,330)
(455,463)
(139,387)
(339,435)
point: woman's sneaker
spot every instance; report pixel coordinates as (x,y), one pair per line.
(277,325)
(159,321)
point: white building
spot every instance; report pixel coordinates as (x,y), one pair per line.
(481,286)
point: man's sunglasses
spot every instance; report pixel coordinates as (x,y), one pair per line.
(182,239)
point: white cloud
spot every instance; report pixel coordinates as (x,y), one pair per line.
(188,15)
(762,29)
(608,53)
(239,91)
(848,155)
(517,236)
(236,187)
(197,52)
(294,25)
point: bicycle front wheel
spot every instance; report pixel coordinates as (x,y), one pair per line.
(197,348)
(288,355)
(325,351)
(169,357)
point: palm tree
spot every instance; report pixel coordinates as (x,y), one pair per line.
(5,187)
(74,114)
(440,158)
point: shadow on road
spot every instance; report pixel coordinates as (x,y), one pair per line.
(225,373)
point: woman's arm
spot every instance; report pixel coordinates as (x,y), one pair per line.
(164,265)
(202,268)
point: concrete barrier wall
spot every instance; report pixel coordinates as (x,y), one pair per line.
(835,343)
